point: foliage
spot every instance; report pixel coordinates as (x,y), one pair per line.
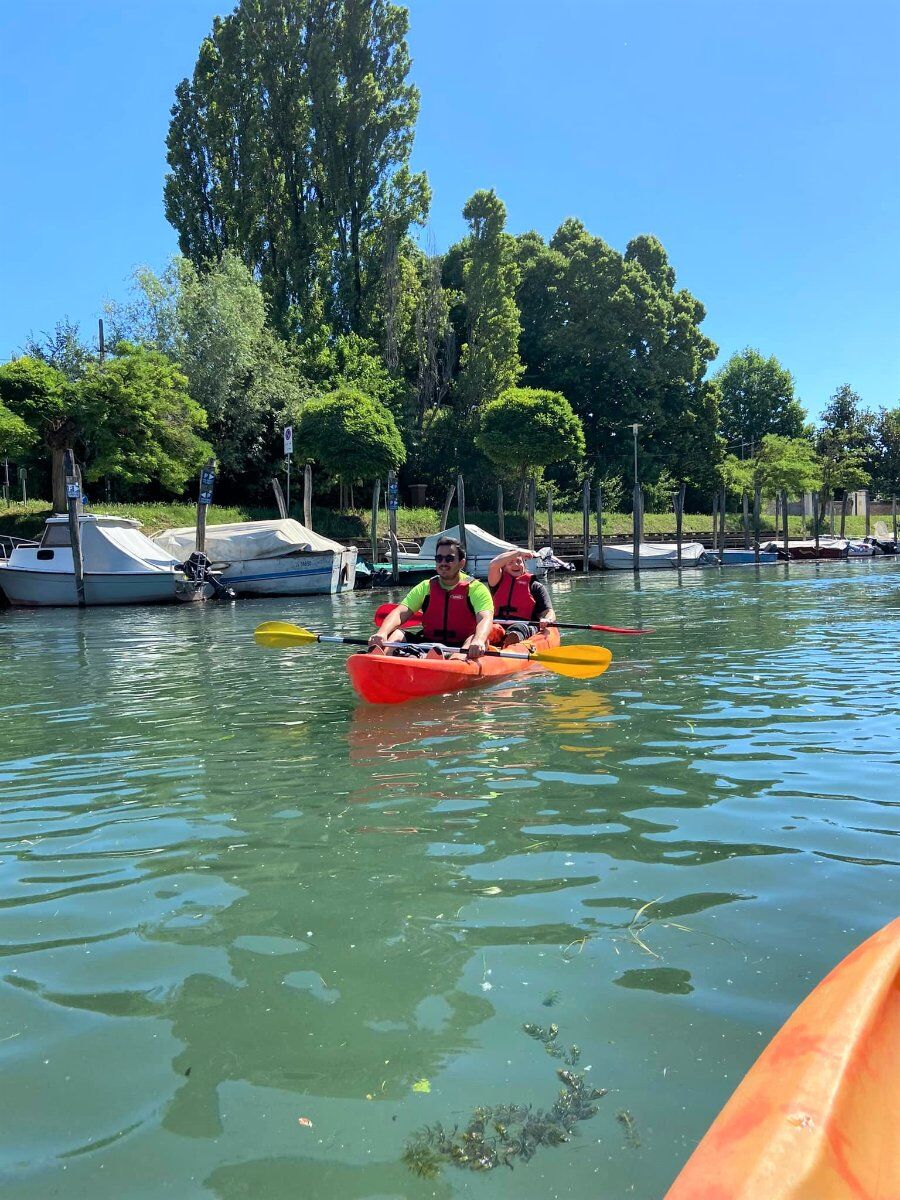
(290,145)
(845,443)
(779,464)
(489,360)
(214,324)
(42,398)
(526,429)
(16,438)
(349,436)
(885,465)
(62,349)
(141,423)
(757,397)
(614,336)
(658,495)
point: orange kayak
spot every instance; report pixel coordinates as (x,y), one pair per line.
(392,679)
(817,1117)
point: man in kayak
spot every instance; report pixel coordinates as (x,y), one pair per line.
(519,598)
(456,610)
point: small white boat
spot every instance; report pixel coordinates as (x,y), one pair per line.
(121,565)
(481,547)
(652,555)
(269,558)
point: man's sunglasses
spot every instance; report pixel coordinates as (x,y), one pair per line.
(445,558)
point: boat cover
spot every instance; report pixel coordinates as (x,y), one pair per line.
(479,543)
(116,546)
(248,540)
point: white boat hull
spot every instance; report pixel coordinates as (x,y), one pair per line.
(653,556)
(292,575)
(47,589)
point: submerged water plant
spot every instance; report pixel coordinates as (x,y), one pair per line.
(496,1135)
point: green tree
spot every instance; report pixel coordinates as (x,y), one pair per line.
(489,360)
(290,145)
(757,397)
(214,323)
(140,422)
(16,438)
(350,436)
(885,463)
(51,407)
(527,430)
(846,446)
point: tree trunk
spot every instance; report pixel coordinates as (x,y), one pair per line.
(58,478)
(745,511)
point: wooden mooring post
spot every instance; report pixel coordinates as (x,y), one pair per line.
(373,532)
(678,500)
(745,518)
(74,507)
(636,527)
(757,504)
(550,516)
(501,514)
(599,509)
(784,510)
(586,524)
(307,495)
(445,511)
(279,499)
(532,502)
(392,503)
(204,499)
(815,508)
(461,510)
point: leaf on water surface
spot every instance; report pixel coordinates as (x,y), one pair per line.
(422,1085)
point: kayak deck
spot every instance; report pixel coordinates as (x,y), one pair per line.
(817,1115)
(394,679)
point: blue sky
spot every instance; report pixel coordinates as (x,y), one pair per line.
(757,140)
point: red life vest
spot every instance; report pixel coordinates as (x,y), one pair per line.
(448,616)
(513,600)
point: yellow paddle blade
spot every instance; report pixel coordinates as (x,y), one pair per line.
(575,662)
(282,633)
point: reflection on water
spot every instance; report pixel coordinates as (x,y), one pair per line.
(232,898)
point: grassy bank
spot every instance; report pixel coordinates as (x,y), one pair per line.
(412,523)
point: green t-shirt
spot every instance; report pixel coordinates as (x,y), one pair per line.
(481,598)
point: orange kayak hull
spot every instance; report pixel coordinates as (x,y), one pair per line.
(394,679)
(817,1117)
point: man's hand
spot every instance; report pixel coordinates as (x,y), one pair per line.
(475,650)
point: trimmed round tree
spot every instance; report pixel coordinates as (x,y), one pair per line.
(349,436)
(527,429)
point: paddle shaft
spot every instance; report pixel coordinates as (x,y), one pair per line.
(346,641)
(415,618)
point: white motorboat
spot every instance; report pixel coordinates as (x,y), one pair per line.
(120,565)
(481,547)
(269,558)
(652,555)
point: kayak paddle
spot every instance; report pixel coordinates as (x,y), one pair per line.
(385,610)
(575,662)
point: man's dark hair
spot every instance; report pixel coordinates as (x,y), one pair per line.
(449,541)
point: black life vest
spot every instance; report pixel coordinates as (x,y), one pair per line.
(513,601)
(448,616)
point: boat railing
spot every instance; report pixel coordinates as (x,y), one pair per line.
(8,543)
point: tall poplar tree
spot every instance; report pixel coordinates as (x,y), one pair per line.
(290,146)
(489,362)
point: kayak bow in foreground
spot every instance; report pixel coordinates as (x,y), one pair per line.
(817,1116)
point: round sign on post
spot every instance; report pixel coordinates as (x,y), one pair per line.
(288,441)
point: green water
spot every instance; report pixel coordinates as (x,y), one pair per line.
(231,896)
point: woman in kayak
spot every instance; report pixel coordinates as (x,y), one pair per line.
(456,610)
(520,600)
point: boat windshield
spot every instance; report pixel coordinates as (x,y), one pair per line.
(56,535)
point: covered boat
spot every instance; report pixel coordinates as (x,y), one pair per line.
(269,558)
(652,555)
(481,547)
(736,558)
(120,564)
(395,678)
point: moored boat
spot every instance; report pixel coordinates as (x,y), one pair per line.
(120,565)
(651,555)
(481,547)
(394,678)
(270,558)
(733,558)
(816,1116)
